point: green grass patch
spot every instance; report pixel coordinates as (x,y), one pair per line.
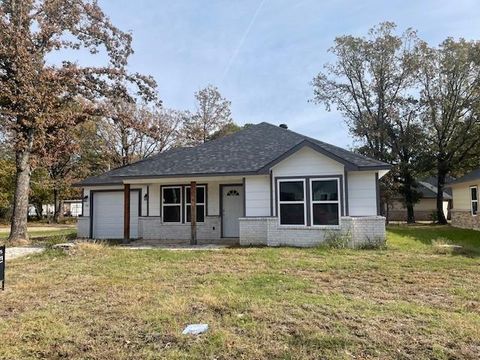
(406,301)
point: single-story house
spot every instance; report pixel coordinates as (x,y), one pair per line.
(426,208)
(71,207)
(465,201)
(262,185)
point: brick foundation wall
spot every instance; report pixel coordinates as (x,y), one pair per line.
(83,227)
(153,228)
(465,220)
(360,231)
(401,215)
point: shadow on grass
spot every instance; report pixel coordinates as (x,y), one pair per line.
(435,235)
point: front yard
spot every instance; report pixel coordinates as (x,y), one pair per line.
(413,300)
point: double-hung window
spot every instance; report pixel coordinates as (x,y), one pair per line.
(172,204)
(324,201)
(291,202)
(200,204)
(474,199)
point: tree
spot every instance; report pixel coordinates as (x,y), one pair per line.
(450,94)
(372,85)
(131,132)
(212,113)
(35,93)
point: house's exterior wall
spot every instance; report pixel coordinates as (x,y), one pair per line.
(83,227)
(362,193)
(305,162)
(356,231)
(424,210)
(461,213)
(257,196)
(154,228)
(465,220)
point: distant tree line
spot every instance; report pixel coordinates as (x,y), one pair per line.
(409,104)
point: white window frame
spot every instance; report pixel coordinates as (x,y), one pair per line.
(166,205)
(473,201)
(304,202)
(338,202)
(187,202)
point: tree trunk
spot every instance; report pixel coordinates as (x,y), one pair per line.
(18,231)
(57,204)
(409,201)
(39,211)
(441,175)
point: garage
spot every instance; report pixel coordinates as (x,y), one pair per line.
(108,214)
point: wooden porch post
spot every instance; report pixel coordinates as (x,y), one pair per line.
(193,212)
(126,212)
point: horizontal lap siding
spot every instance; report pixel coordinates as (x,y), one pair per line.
(362,193)
(257,196)
(461,195)
(305,162)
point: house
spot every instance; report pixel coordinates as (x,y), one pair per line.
(426,208)
(263,185)
(71,207)
(465,201)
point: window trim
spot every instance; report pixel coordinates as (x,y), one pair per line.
(338,202)
(304,202)
(166,205)
(204,204)
(473,201)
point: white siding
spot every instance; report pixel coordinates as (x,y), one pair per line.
(257,196)
(86,192)
(362,194)
(305,162)
(461,195)
(154,200)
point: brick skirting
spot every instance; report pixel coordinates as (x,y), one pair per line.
(465,220)
(357,231)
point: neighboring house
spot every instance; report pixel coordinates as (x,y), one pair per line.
(72,207)
(262,185)
(465,201)
(426,208)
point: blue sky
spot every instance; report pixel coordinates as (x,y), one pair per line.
(262,54)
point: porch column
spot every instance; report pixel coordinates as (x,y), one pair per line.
(193,212)
(126,212)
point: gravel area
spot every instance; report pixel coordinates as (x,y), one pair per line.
(16,252)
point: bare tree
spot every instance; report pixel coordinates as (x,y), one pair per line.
(212,114)
(130,132)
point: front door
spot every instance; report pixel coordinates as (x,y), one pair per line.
(232,209)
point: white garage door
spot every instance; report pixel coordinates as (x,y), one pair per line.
(108,215)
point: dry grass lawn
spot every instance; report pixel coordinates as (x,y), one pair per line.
(412,300)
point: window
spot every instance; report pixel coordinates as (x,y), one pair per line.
(291,196)
(172,204)
(474,199)
(200,204)
(325,204)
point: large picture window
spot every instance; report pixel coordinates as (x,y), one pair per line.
(172,204)
(200,204)
(291,196)
(474,199)
(324,201)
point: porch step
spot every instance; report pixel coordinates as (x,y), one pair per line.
(157,242)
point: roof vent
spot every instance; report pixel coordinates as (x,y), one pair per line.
(283,126)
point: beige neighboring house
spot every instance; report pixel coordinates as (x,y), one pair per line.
(426,207)
(465,201)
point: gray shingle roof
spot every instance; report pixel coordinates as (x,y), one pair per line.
(471,176)
(250,151)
